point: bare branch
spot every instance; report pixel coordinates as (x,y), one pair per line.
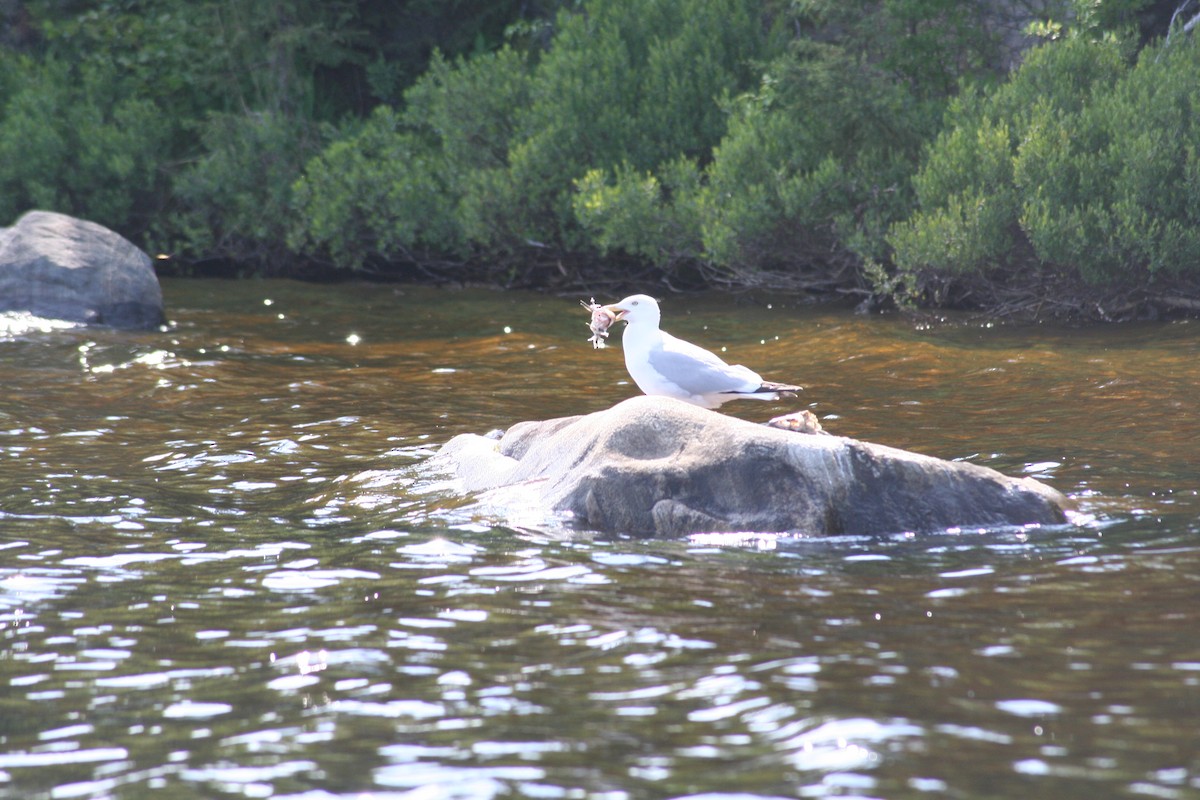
(1187,26)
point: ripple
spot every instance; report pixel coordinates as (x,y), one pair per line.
(845,743)
(62,757)
(67,732)
(955,591)
(22,323)
(36,585)
(189,709)
(306,580)
(973,733)
(416,709)
(1028,708)
(292,683)
(967,573)
(400,647)
(628,559)
(143,681)
(252,486)
(533,571)
(117,562)
(402,753)
(441,550)
(719,712)
(239,774)
(482,782)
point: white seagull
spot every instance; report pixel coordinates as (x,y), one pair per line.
(661,364)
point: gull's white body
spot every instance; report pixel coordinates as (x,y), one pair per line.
(662,364)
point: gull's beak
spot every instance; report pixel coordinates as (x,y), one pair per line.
(617,312)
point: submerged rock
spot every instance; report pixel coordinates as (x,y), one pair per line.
(659,466)
(60,267)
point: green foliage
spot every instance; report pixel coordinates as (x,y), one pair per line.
(195,57)
(824,139)
(397,186)
(814,162)
(154,49)
(640,81)
(627,87)
(377,195)
(627,84)
(1108,190)
(643,215)
(70,142)
(928,45)
(234,203)
(403,34)
(470,114)
(195,117)
(968,202)
(1081,163)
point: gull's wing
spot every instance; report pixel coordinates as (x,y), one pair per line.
(699,372)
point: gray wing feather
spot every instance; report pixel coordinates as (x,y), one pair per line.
(699,372)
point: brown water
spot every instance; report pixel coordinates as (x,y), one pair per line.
(223,574)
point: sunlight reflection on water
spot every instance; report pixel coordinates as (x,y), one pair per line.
(223,574)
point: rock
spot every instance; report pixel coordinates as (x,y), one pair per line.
(60,267)
(659,466)
(803,421)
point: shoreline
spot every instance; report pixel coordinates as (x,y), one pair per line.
(1030,298)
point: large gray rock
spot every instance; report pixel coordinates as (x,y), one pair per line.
(658,466)
(56,266)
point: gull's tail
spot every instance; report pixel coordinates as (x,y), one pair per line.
(781,388)
(767,391)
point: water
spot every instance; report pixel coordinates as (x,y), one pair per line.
(224,574)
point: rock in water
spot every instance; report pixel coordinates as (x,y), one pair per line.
(60,267)
(659,466)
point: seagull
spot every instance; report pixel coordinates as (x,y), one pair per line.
(661,364)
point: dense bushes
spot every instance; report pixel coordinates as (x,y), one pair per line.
(402,186)
(490,147)
(1080,164)
(969,203)
(823,144)
(71,142)
(812,160)
(687,134)
(185,123)
(234,201)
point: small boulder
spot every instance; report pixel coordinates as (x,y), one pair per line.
(659,466)
(60,267)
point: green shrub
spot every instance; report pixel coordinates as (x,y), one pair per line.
(486,153)
(1107,190)
(1081,164)
(376,195)
(813,165)
(643,215)
(641,81)
(234,203)
(71,142)
(969,173)
(630,86)
(974,187)
(395,188)
(815,162)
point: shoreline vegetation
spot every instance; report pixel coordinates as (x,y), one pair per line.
(1030,159)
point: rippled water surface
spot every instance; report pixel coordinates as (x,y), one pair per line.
(224,574)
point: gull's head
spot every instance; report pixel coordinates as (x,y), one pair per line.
(637,309)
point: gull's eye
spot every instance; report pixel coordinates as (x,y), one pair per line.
(635,302)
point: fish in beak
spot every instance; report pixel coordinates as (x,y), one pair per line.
(617,312)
